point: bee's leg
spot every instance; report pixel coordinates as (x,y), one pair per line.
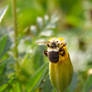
(45,52)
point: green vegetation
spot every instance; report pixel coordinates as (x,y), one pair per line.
(23,23)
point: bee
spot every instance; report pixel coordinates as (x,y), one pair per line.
(60,65)
(55,48)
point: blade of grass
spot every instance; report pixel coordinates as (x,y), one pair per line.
(37,78)
(3,87)
(4,45)
(2,13)
(88,84)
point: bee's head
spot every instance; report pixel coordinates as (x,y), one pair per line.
(53,51)
(55,48)
(54,44)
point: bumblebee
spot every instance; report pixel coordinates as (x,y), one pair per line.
(55,48)
(60,66)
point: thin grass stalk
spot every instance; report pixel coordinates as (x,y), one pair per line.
(15,29)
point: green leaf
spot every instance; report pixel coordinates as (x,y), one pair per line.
(37,78)
(46,86)
(3,87)
(16,87)
(68,5)
(4,45)
(88,84)
(6,70)
(2,13)
(38,58)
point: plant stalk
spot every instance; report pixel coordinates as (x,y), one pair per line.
(15,29)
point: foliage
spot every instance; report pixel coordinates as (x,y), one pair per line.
(38,20)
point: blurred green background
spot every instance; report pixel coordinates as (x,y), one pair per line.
(38,20)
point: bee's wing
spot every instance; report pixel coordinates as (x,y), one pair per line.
(42,42)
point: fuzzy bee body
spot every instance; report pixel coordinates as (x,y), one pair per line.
(53,52)
(60,66)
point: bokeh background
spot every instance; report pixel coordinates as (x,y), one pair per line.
(37,21)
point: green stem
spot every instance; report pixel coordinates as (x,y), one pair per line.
(15,28)
(15,35)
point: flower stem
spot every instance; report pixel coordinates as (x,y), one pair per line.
(15,29)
